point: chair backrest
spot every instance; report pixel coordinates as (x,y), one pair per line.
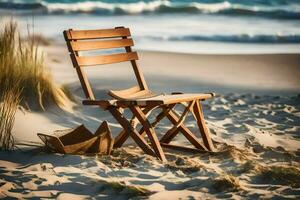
(89,40)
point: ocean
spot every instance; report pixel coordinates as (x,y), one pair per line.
(190,26)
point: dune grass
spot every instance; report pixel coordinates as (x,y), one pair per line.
(130,191)
(226,183)
(24,81)
(184,164)
(22,66)
(9,101)
(285,175)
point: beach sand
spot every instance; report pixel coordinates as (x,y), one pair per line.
(254,120)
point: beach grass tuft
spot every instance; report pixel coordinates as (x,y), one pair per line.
(226,183)
(129,190)
(9,101)
(284,175)
(251,166)
(184,164)
(22,66)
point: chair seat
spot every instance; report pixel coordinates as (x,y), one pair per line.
(153,101)
(133,93)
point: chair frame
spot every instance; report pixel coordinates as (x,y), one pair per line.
(139,99)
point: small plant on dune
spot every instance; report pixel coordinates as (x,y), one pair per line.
(185,165)
(226,183)
(128,190)
(282,175)
(22,65)
(131,191)
(251,166)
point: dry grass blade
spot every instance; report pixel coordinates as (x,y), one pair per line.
(10,100)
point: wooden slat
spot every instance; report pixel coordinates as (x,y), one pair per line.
(119,93)
(171,99)
(153,101)
(104,44)
(142,94)
(164,99)
(106,59)
(94,34)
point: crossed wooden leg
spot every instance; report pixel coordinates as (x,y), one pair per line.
(123,135)
(140,116)
(178,122)
(136,136)
(149,131)
(140,141)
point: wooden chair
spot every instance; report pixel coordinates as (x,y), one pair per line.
(138,99)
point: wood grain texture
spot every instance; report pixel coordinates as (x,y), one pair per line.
(105,59)
(99,44)
(153,101)
(102,33)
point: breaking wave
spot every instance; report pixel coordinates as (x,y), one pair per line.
(286,11)
(240,38)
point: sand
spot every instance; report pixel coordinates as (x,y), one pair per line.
(254,120)
(276,73)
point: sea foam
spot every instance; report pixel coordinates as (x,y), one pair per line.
(285,11)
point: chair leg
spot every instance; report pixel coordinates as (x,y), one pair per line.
(199,116)
(140,141)
(149,131)
(185,131)
(174,130)
(121,138)
(159,117)
(123,135)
